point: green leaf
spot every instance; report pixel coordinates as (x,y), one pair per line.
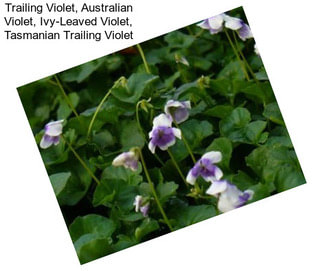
(242,180)
(120,173)
(233,125)
(64,109)
(189,215)
(95,224)
(81,72)
(131,136)
(135,87)
(254,130)
(59,181)
(119,186)
(261,191)
(273,113)
(232,71)
(276,164)
(219,111)
(166,190)
(224,146)
(237,128)
(77,185)
(259,92)
(147,226)
(103,139)
(194,131)
(90,247)
(124,242)
(177,39)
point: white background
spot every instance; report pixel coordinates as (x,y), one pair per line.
(283,232)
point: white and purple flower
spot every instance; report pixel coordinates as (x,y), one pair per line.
(230,197)
(140,206)
(238,25)
(163,135)
(53,130)
(206,168)
(178,110)
(127,159)
(215,25)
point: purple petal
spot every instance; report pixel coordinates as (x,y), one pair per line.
(180,115)
(162,136)
(244,32)
(46,141)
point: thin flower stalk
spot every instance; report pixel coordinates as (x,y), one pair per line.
(152,188)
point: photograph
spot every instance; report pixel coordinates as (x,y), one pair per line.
(161,135)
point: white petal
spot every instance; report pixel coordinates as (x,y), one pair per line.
(151,147)
(218,173)
(137,202)
(204,24)
(177,133)
(120,159)
(151,133)
(187,104)
(190,178)
(225,204)
(165,147)
(250,192)
(214,156)
(171,103)
(162,120)
(256,49)
(216,21)
(54,128)
(44,144)
(232,23)
(216,188)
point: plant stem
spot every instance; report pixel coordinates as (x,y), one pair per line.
(142,131)
(177,167)
(67,99)
(237,54)
(151,184)
(97,111)
(243,57)
(81,161)
(143,58)
(185,143)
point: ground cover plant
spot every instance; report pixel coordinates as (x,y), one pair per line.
(161,135)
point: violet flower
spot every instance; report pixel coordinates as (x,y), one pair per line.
(178,110)
(215,25)
(53,130)
(163,134)
(127,159)
(230,197)
(141,206)
(238,25)
(206,168)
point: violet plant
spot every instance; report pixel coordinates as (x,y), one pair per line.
(161,135)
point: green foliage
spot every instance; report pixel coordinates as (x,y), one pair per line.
(233,115)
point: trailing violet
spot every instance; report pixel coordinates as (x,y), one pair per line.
(141,206)
(178,110)
(144,210)
(206,168)
(127,159)
(238,25)
(53,130)
(230,197)
(215,25)
(163,135)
